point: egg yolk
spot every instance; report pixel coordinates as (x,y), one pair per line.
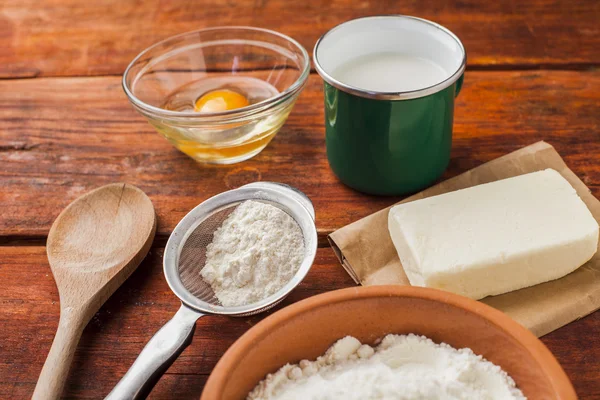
(220,100)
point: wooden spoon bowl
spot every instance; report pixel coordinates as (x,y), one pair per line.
(93,246)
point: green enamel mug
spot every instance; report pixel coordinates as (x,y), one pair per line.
(390,84)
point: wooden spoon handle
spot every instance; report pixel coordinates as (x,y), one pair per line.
(56,368)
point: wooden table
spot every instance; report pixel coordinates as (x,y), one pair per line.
(66,127)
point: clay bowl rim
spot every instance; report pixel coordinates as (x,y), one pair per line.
(561,384)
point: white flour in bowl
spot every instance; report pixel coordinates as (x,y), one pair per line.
(402,367)
(255,252)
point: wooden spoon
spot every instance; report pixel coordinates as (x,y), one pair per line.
(93,246)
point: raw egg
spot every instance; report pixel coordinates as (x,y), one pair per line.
(220,100)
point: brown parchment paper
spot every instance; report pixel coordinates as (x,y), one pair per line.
(366,251)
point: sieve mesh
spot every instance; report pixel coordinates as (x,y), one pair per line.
(192,258)
(185,253)
(193,255)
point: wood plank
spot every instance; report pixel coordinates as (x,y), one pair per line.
(70,37)
(29,314)
(29,309)
(60,137)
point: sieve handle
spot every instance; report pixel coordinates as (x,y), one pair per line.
(160,352)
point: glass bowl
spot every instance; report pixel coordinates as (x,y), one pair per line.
(164,81)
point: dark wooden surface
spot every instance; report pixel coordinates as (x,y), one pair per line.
(120,330)
(64,136)
(71,37)
(66,127)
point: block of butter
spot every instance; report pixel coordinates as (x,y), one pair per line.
(496,237)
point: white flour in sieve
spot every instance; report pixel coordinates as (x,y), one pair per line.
(402,367)
(255,252)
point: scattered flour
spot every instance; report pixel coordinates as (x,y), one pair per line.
(254,253)
(402,367)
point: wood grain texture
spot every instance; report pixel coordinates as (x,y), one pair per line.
(29,309)
(70,37)
(60,137)
(93,246)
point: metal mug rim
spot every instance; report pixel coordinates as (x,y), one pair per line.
(407,95)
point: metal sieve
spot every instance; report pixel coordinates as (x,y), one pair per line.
(185,256)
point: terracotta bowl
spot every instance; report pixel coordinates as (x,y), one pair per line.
(306,329)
